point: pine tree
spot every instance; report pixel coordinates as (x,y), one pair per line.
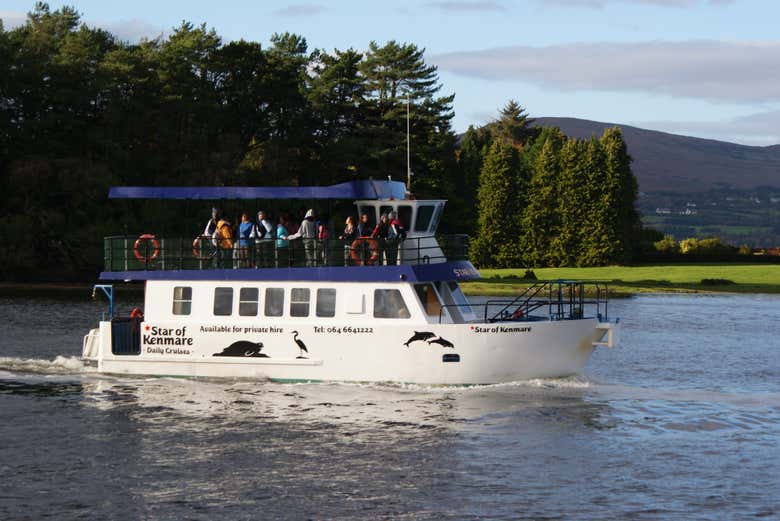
(623,195)
(597,235)
(514,124)
(540,223)
(497,208)
(565,247)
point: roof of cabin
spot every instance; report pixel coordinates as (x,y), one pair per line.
(350,190)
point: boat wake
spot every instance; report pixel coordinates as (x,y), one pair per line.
(61,365)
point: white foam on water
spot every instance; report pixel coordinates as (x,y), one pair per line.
(60,365)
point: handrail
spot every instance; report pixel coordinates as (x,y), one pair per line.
(564,301)
(128,253)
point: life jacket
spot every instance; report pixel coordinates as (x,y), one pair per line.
(225,234)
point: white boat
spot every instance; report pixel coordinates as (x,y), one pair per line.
(365,311)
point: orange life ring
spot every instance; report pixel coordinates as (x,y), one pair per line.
(155,245)
(137,313)
(196,248)
(356,256)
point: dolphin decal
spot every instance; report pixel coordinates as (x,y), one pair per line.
(442,342)
(243,348)
(419,336)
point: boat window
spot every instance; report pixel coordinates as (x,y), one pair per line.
(299,302)
(429,299)
(326,302)
(223,301)
(384,210)
(424,214)
(370,210)
(247,302)
(389,303)
(274,302)
(460,299)
(405,216)
(436,217)
(182,300)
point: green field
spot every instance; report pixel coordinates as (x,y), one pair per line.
(627,280)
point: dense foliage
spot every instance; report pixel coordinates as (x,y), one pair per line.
(81,111)
(556,201)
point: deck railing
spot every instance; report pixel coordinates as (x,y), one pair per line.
(146,252)
(542,300)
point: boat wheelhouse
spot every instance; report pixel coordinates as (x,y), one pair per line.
(368,309)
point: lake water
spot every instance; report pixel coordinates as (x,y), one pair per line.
(681,422)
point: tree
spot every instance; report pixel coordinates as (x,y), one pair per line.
(394,75)
(540,222)
(514,124)
(623,194)
(566,246)
(498,215)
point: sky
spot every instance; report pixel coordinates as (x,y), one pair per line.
(705,68)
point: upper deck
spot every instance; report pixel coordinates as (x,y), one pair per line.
(414,259)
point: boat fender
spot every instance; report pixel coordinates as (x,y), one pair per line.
(355,253)
(155,246)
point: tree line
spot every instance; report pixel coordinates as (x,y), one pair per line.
(544,199)
(81,110)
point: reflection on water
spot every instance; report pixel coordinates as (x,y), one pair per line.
(681,422)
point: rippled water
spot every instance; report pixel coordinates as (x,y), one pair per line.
(682,422)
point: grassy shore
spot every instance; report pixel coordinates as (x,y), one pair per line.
(628,280)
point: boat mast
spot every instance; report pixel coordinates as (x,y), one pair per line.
(408,149)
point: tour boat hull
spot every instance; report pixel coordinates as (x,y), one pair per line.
(448,354)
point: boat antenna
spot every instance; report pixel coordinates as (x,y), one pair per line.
(408,148)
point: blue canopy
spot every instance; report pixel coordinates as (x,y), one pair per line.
(348,190)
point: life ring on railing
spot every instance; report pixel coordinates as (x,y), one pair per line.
(517,314)
(356,251)
(196,248)
(137,313)
(155,245)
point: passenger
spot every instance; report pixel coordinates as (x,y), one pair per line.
(263,234)
(282,254)
(245,230)
(349,236)
(308,232)
(211,226)
(222,238)
(323,243)
(380,233)
(394,231)
(364,228)
(201,242)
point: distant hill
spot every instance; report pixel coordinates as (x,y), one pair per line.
(674,163)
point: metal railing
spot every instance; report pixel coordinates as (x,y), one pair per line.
(147,252)
(542,300)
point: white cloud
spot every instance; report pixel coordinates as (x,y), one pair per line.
(599,4)
(762,128)
(12,19)
(297,10)
(469,6)
(744,72)
(131,30)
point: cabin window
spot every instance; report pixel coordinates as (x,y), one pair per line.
(429,299)
(424,214)
(389,303)
(182,300)
(384,210)
(274,302)
(326,302)
(223,302)
(405,216)
(247,302)
(436,217)
(460,299)
(299,302)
